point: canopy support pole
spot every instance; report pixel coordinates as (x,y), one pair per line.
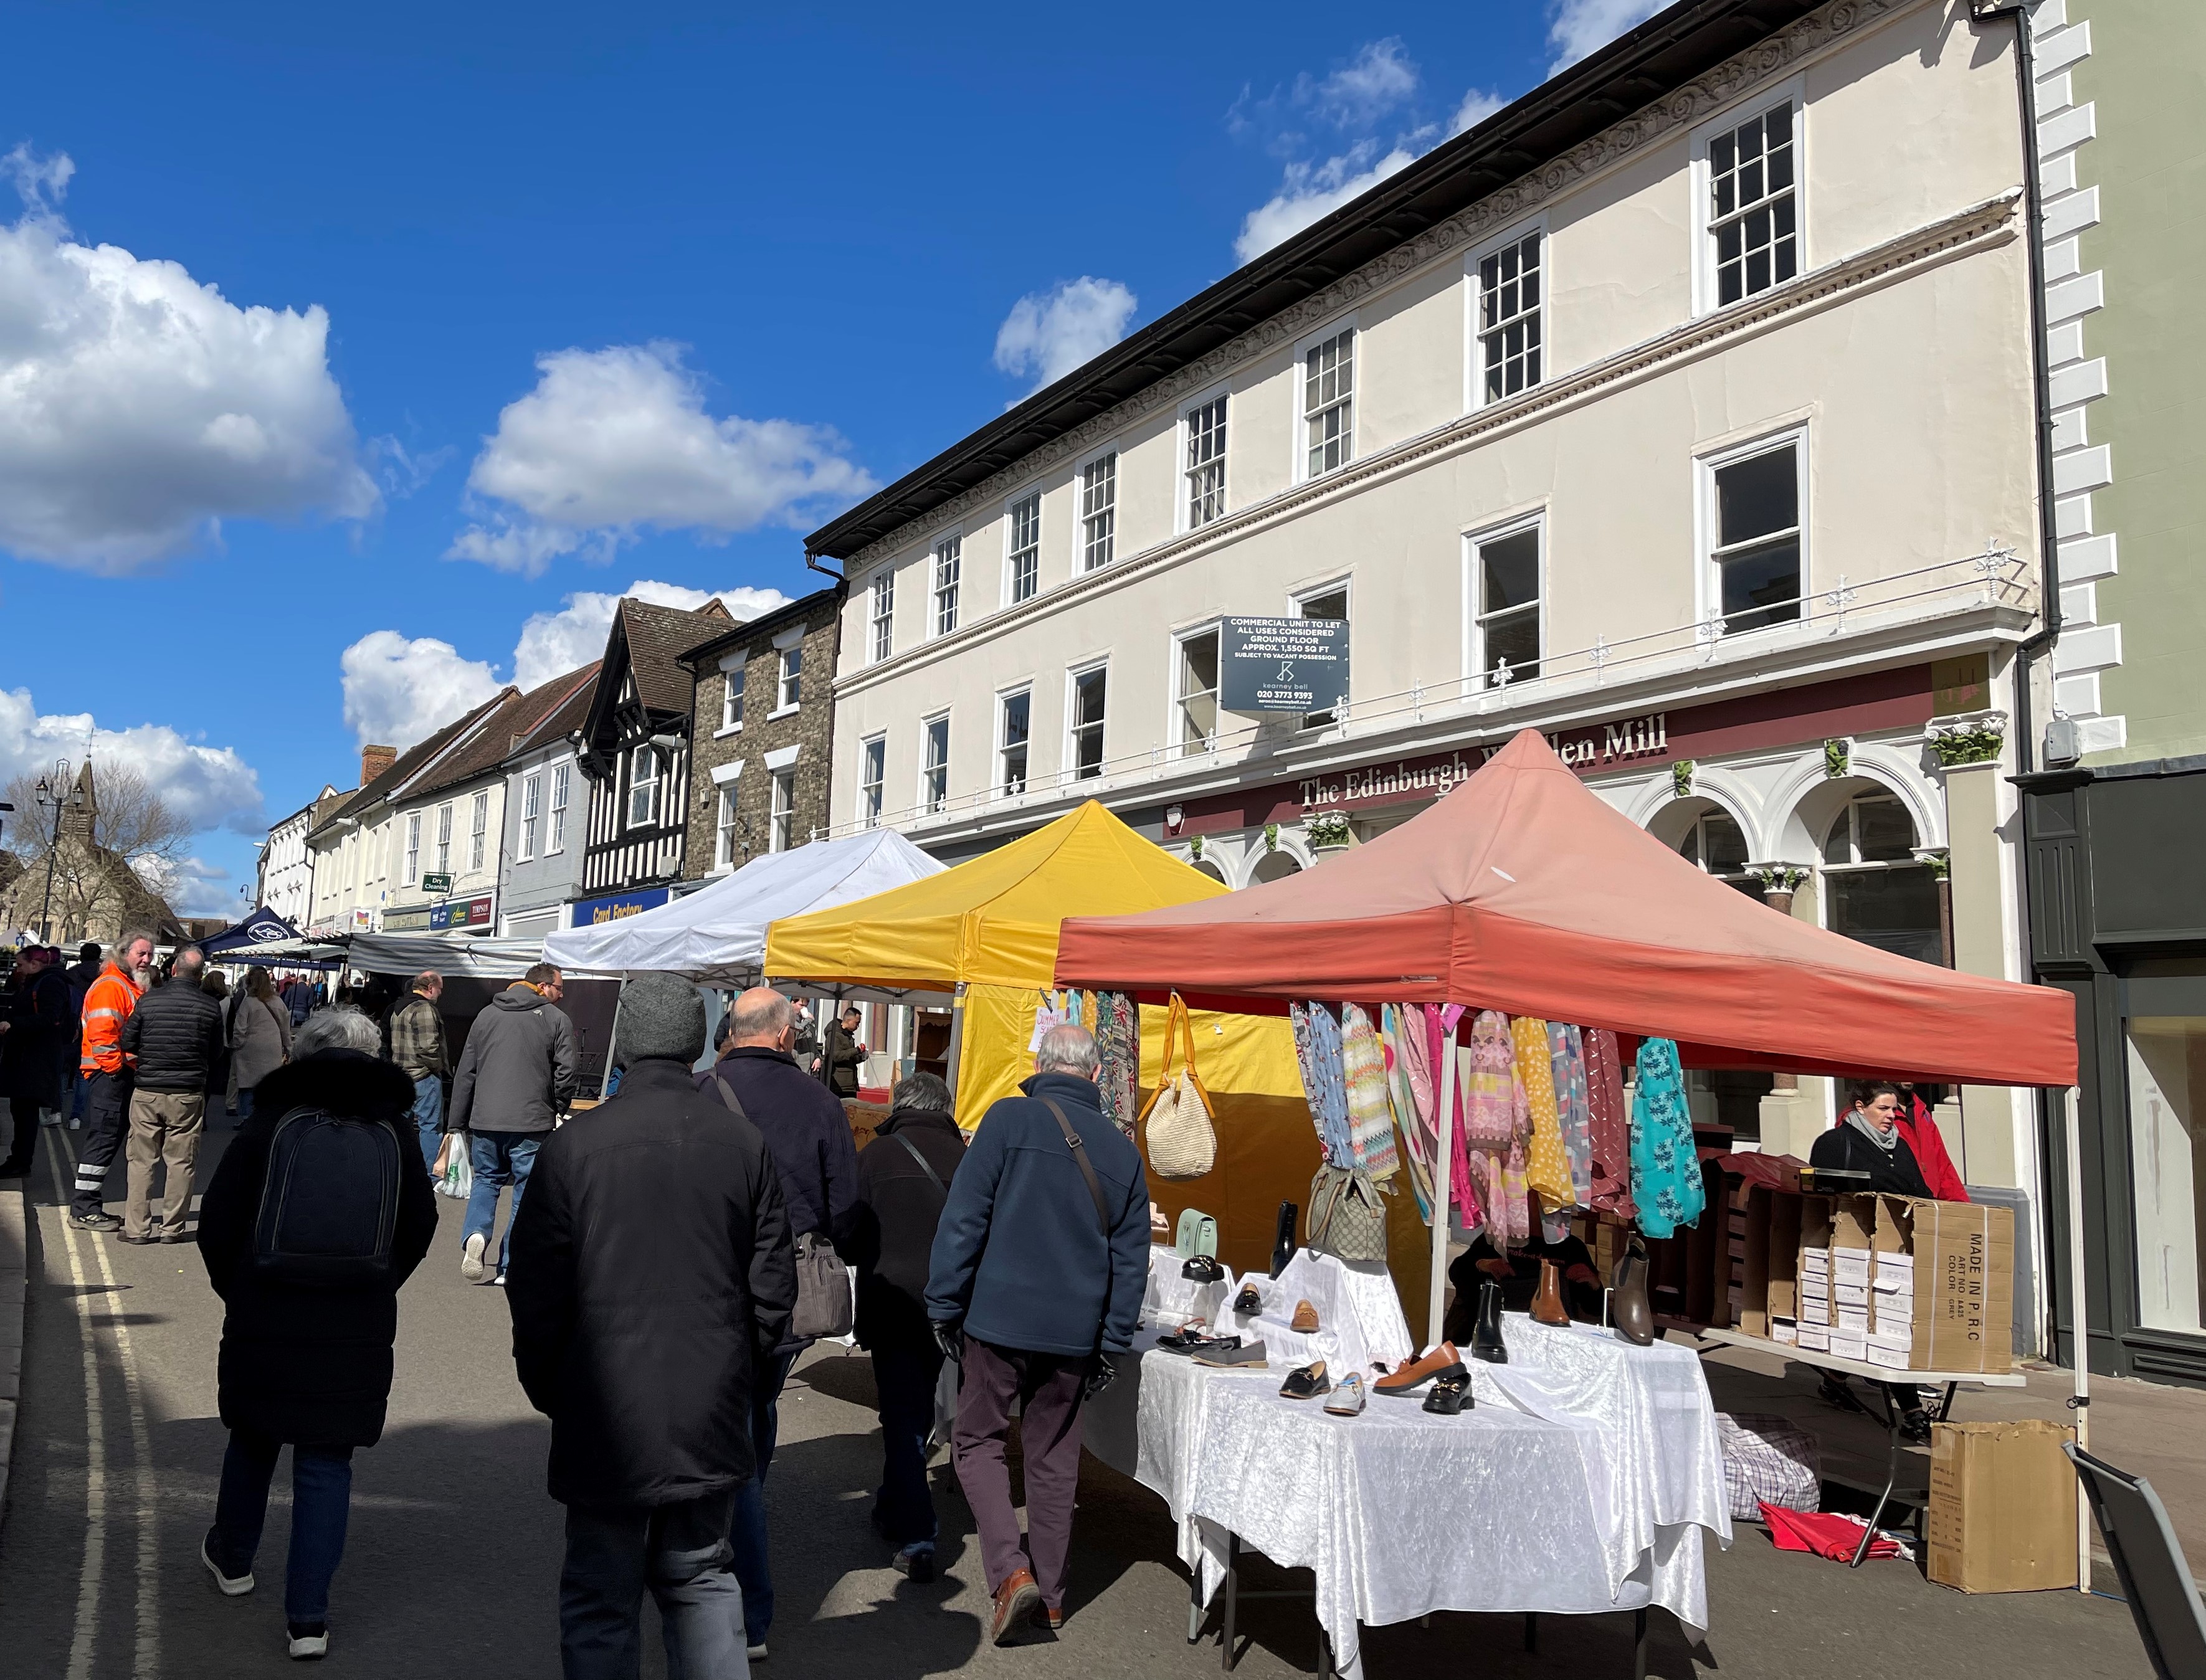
(955,1054)
(612,1038)
(1444,1076)
(2080,1400)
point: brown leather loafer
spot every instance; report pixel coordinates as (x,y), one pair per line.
(1051,1619)
(1304,1321)
(1016,1601)
(1409,1378)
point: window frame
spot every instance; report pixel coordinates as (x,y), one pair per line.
(1176,717)
(881,614)
(562,779)
(1474,355)
(444,838)
(1708,585)
(933,801)
(781,809)
(1182,484)
(1297,598)
(952,541)
(873,777)
(1701,176)
(1340,326)
(650,788)
(734,680)
(1012,552)
(1000,781)
(532,811)
(413,848)
(1082,517)
(726,826)
(1473,634)
(789,678)
(1070,771)
(477,831)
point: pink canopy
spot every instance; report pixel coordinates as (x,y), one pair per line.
(1523,891)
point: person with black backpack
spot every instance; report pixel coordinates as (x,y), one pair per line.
(314,1219)
(903,1181)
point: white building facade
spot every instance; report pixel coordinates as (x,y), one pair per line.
(286,871)
(1700,439)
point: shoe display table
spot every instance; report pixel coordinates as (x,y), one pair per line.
(1580,1484)
(1948,1380)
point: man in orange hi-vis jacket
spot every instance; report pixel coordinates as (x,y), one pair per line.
(105,1070)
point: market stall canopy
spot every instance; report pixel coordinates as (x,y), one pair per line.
(303,952)
(259,928)
(1524,891)
(485,959)
(989,927)
(717,936)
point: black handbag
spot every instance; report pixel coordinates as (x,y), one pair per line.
(824,1304)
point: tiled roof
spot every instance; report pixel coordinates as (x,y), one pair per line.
(490,745)
(658,636)
(570,714)
(407,766)
(765,623)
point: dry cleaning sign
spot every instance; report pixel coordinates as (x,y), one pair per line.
(1282,664)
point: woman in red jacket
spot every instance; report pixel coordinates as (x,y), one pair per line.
(1921,1132)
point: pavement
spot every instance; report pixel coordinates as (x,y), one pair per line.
(451,1565)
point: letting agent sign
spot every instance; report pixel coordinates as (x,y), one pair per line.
(1282,664)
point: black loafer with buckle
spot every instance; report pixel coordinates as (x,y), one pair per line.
(1307,1382)
(1202,1269)
(1248,1301)
(1450,1395)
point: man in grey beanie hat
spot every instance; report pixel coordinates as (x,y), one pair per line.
(648,1387)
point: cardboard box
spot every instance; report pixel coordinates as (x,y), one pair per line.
(1816,1338)
(1784,1329)
(2002,1517)
(1850,1343)
(1960,1269)
(1782,1235)
(1853,1319)
(1850,1295)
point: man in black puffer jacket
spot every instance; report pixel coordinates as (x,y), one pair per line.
(307,1366)
(176,1034)
(652,1278)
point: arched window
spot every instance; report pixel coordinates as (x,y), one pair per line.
(1275,867)
(1715,844)
(1875,889)
(1205,867)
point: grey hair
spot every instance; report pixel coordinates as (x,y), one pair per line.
(339,1028)
(130,937)
(189,960)
(921,1090)
(427,978)
(1068,1049)
(759,1014)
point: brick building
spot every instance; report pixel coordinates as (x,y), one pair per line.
(760,758)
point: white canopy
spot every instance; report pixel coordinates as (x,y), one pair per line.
(717,936)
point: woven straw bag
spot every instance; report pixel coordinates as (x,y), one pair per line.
(1181,1143)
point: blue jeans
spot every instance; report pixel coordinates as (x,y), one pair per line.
(429,1118)
(748,1534)
(904,1379)
(498,1158)
(680,1551)
(321,1500)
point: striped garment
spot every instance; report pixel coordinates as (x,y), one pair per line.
(1370,1116)
(1324,1080)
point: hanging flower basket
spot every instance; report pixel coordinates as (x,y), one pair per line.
(1328,831)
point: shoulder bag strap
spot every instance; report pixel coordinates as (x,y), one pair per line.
(728,1096)
(932,1176)
(1080,1158)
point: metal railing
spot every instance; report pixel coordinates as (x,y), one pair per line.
(1996,577)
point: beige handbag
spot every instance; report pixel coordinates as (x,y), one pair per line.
(1181,1143)
(1346,1217)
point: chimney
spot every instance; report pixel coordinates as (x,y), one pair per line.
(374,760)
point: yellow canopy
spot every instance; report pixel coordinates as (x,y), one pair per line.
(990,926)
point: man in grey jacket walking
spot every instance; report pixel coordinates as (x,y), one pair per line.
(516,1075)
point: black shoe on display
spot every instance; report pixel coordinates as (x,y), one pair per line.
(1283,1240)
(1486,1341)
(1202,1269)
(1189,1336)
(1306,1383)
(1451,1396)
(1248,1301)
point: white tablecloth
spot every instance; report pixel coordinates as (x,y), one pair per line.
(1580,1483)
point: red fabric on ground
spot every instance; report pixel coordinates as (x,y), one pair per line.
(1826,1534)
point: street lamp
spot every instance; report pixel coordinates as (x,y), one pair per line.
(64,795)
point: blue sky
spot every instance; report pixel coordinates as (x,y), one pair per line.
(351,362)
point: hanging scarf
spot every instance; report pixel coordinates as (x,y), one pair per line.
(1546,1162)
(1666,1168)
(1119,1044)
(1491,1097)
(1410,1084)
(1370,1116)
(1324,1080)
(1608,1124)
(1566,1052)
(1440,1022)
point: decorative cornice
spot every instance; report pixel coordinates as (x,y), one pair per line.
(1769,60)
(1992,221)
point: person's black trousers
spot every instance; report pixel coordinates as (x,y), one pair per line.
(680,1552)
(106,1118)
(904,1379)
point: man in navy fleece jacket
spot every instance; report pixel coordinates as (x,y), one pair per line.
(1041,1283)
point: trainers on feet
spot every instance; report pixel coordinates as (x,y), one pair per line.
(232,1586)
(471,1257)
(310,1641)
(95,1222)
(915,1562)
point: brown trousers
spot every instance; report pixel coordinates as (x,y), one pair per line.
(1046,1388)
(164,1126)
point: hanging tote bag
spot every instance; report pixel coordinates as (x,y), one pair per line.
(1346,1217)
(827,1294)
(1182,1142)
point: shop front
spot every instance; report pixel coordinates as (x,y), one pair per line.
(2118,918)
(617,906)
(477,915)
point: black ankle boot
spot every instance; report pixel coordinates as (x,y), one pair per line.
(1486,1341)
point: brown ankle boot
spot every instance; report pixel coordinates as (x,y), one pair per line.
(1548,1306)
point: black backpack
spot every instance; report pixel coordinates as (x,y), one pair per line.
(329,1207)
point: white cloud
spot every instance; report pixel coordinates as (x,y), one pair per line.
(1477,105)
(552,642)
(1312,192)
(192,886)
(615,441)
(399,690)
(1577,27)
(139,407)
(1377,81)
(1048,334)
(211,787)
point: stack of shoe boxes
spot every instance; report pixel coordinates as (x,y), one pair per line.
(1815,1231)
(1853,1233)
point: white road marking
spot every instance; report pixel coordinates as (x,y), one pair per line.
(95,1457)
